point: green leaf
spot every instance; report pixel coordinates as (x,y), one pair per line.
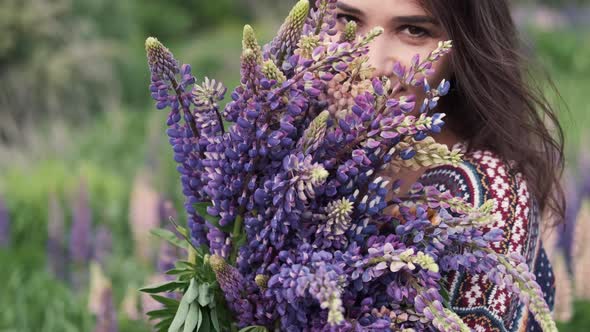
(202,211)
(215,319)
(180,317)
(168,302)
(183,231)
(186,264)
(178,271)
(169,237)
(193,318)
(192,292)
(204,294)
(254,328)
(164,324)
(206,325)
(227,125)
(163,287)
(161,313)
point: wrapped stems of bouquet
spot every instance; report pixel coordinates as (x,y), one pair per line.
(286,192)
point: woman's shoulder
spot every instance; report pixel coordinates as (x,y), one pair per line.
(481,175)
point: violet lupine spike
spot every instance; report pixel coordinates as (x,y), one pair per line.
(103,245)
(4,225)
(286,41)
(249,41)
(321,19)
(80,244)
(56,245)
(106,320)
(233,285)
(81,229)
(513,272)
(184,137)
(314,134)
(429,303)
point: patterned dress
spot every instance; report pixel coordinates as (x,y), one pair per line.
(482,305)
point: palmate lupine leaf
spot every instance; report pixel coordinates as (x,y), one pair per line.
(169,237)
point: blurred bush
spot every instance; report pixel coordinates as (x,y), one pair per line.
(53,63)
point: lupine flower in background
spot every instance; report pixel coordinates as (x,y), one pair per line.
(143,216)
(564,292)
(102,245)
(564,295)
(56,247)
(4,225)
(572,190)
(98,283)
(167,212)
(168,254)
(167,257)
(147,303)
(581,252)
(584,167)
(106,318)
(286,205)
(80,244)
(130,304)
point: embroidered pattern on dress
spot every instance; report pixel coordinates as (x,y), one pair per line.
(480,177)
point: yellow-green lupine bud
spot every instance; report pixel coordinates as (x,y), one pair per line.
(350,30)
(217,263)
(262,281)
(249,41)
(290,32)
(307,44)
(430,154)
(426,262)
(371,35)
(160,59)
(314,134)
(249,68)
(272,72)
(152,43)
(319,175)
(338,215)
(335,310)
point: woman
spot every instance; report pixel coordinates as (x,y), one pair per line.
(499,120)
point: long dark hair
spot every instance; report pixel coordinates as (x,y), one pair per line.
(495,104)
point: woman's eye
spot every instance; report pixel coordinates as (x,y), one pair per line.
(345,18)
(414,31)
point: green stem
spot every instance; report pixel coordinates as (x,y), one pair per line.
(235,233)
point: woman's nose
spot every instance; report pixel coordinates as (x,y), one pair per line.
(381,57)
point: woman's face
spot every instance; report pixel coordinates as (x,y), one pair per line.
(408,30)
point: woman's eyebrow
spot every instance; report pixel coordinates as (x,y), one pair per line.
(414,19)
(349,8)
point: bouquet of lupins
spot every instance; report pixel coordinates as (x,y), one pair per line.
(292,222)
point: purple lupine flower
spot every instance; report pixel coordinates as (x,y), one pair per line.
(168,254)
(4,225)
(584,171)
(56,247)
(81,229)
(144,215)
(129,305)
(290,32)
(103,245)
(106,318)
(233,285)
